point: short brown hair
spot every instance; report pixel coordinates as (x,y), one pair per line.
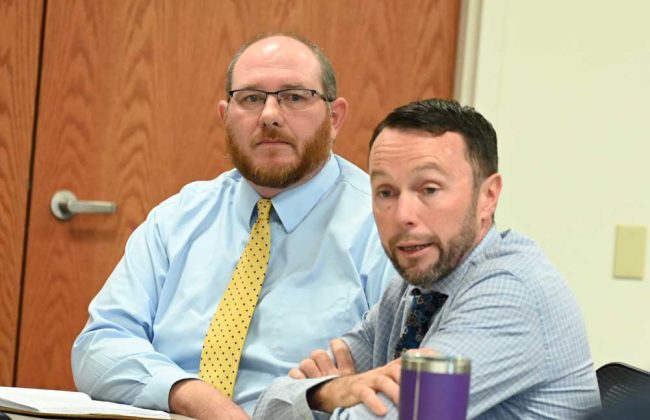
(437,116)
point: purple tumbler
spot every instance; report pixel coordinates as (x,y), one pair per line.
(434,387)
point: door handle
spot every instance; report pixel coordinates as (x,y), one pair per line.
(64,205)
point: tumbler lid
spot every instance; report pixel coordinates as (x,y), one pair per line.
(435,364)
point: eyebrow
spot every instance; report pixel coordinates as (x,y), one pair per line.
(282,87)
(377,172)
(293,86)
(425,167)
(428,166)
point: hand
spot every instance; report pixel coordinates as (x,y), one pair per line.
(321,364)
(200,400)
(425,351)
(350,390)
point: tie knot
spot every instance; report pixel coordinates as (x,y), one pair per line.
(429,301)
(263,209)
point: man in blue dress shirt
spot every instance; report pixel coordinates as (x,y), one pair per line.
(142,343)
(495,298)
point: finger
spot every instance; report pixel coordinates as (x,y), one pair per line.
(394,370)
(343,357)
(424,350)
(295,373)
(372,401)
(389,387)
(309,369)
(324,362)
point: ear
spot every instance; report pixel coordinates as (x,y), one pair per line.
(339,110)
(489,197)
(223,106)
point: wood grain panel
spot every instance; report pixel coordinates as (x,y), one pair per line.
(20,31)
(125,116)
(385,53)
(128,113)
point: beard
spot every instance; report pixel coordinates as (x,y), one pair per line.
(450,254)
(315,152)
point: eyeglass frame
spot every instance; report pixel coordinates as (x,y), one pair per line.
(313,93)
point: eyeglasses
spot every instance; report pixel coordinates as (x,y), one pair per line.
(288,99)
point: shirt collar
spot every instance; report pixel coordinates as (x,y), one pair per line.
(293,205)
(290,206)
(452,282)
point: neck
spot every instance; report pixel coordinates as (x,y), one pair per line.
(482,231)
(267,192)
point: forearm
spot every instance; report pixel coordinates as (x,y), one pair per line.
(323,397)
(114,358)
(286,399)
(200,400)
(124,369)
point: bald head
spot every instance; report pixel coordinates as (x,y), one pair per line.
(279,45)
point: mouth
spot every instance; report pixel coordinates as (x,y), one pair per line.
(411,249)
(273,142)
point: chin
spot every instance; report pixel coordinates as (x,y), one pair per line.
(419,269)
(412,275)
(420,275)
(273,164)
(421,281)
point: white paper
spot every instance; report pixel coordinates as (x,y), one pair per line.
(66,402)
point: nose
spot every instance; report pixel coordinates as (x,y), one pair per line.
(406,210)
(271,115)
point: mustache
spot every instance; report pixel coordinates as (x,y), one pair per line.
(265,133)
(407,237)
(274,133)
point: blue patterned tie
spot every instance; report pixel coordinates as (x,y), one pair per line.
(418,320)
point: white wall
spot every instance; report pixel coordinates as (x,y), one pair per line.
(567,86)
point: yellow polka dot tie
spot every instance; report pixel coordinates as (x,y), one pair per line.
(225,338)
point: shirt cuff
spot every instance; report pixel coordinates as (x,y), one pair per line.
(156,393)
(286,398)
(300,400)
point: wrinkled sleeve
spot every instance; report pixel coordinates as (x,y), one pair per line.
(113,358)
(361,340)
(286,398)
(377,271)
(361,412)
(496,324)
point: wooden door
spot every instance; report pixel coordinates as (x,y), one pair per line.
(20,34)
(128,114)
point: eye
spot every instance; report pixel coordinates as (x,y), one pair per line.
(429,190)
(251,98)
(294,96)
(384,193)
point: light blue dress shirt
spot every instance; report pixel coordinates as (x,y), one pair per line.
(147,324)
(508,310)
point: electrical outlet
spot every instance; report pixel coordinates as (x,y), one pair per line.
(629,254)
